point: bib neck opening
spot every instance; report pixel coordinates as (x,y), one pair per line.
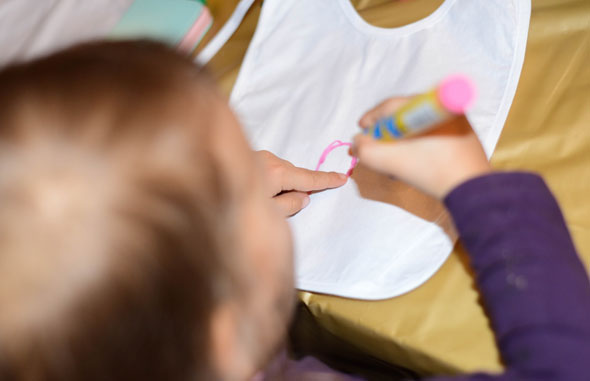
(362,25)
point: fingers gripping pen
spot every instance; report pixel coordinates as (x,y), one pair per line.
(452,97)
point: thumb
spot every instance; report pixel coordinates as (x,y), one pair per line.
(291,203)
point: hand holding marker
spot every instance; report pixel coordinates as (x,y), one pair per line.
(442,150)
(418,114)
(423,112)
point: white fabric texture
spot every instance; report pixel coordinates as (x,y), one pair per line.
(30,29)
(313,68)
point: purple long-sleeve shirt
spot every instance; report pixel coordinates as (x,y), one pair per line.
(534,286)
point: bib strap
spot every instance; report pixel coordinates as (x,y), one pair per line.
(224,33)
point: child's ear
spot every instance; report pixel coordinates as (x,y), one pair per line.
(228,359)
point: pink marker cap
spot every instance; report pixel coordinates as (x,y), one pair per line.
(456,93)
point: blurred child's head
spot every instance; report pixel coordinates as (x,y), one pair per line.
(135,239)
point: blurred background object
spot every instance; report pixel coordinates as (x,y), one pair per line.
(30,28)
(180,23)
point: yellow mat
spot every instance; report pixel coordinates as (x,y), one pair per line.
(441,326)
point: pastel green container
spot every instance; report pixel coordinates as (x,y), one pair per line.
(168,21)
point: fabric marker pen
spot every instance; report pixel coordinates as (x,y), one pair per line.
(452,97)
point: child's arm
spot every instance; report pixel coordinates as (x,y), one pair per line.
(533,284)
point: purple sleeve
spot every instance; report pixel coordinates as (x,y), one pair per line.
(534,286)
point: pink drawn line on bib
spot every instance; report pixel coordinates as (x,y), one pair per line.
(335,144)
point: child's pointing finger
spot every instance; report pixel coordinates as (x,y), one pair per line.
(305,180)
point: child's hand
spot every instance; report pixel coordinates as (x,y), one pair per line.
(289,185)
(434,162)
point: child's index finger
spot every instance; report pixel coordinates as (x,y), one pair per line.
(305,180)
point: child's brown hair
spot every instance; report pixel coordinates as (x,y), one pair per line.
(110,206)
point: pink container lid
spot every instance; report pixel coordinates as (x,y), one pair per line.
(456,93)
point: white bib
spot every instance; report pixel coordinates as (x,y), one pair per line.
(313,68)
